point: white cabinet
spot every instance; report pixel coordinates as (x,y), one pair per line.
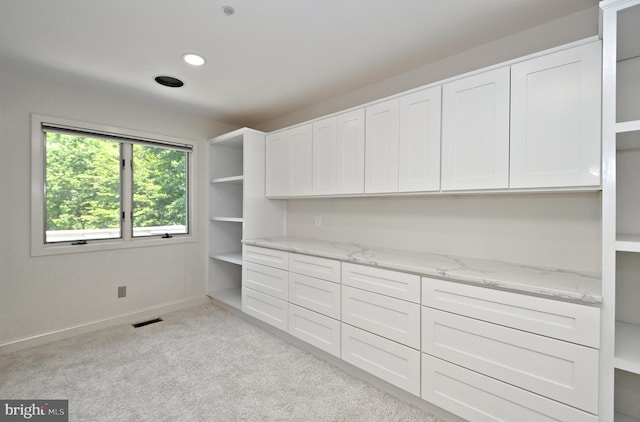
(313,266)
(271,281)
(475,132)
(338,154)
(556,369)
(379,280)
(315,294)
(269,257)
(476,397)
(381,152)
(288,161)
(555,119)
(393,362)
(419,143)
(391,318)
(316,329)
(266,308)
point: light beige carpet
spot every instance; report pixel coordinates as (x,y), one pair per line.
(200,364)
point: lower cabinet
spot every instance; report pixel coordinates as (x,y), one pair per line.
(316,329)
(265,308)
(480,398)
(397,364)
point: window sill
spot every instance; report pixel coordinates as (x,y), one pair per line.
(108,245)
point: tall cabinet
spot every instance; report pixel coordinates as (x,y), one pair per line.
(238,208)
(620,366)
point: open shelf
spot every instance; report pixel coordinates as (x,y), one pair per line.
(231,296)
(627,347)
(232,257)
(631,126)
(619,417)
(230,179)
(627,242)
(228,219)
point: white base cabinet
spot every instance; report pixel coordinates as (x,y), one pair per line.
(397,364)
(316,329)
(480,398)
(265,308)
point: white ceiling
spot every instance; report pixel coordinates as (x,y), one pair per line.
(268,59)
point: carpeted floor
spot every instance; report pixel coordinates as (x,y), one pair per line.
(199,364)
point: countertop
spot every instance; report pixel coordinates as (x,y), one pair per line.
(556,283)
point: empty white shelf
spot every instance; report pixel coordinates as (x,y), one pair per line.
(627,243)
(228,219)
(231,296)
(232,257)
(630,126)
(230,179)
(627,347)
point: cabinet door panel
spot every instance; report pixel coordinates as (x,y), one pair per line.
(381,147)
(318,330)
(419,147)
(314,266)
(386,359)
(475,132)
(265,308)
(350,152)
(559,370)
(318,295)
(267,280)
(555,119)
(479,398)
(277,165)
(300,160)
(324,153)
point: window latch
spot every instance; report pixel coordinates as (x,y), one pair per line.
(166,236)
(80,242)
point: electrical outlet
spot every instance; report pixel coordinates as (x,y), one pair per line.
(318,221)
(122,291)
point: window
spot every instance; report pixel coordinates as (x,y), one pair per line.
(103,188)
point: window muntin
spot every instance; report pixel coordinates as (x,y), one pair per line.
(181,153)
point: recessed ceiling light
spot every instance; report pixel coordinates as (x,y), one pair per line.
(169,81)
(194,59)
(228,10)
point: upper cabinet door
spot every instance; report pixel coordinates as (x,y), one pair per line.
(350,152)
(300,160)
(555,119)
(325,148)
(277,165)
(381,152)
(338,154)
(475,132)
(419,146)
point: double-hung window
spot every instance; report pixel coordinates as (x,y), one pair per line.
(96,187)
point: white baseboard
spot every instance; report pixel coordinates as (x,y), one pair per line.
(132,317)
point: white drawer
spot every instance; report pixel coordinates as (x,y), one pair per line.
(397,364)
(267,280)
(561,371)
(315,294)
(312,266)
(391,283)
(318,330)
(264,256)
(476,397)
(562,320)
(265,308)
(394,319)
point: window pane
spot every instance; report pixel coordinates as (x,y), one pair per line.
(159,191)
(82,188)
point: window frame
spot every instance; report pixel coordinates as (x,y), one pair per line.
(40,247)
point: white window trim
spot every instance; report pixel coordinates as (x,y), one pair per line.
(38,245)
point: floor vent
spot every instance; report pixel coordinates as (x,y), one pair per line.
(143,323)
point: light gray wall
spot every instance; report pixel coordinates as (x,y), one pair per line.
(555,230)
(43,294)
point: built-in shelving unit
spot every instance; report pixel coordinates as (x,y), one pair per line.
(620,365)
(237,208)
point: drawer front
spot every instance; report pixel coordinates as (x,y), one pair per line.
(265,308)
(391,283)
(476,397)
(326,269)
(561,371)
(397,364)
(270,257)
(315,294)
(394,319)
(267,280)
(318,330)
(562,320)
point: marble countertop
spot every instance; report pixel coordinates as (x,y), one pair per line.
(552,282)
